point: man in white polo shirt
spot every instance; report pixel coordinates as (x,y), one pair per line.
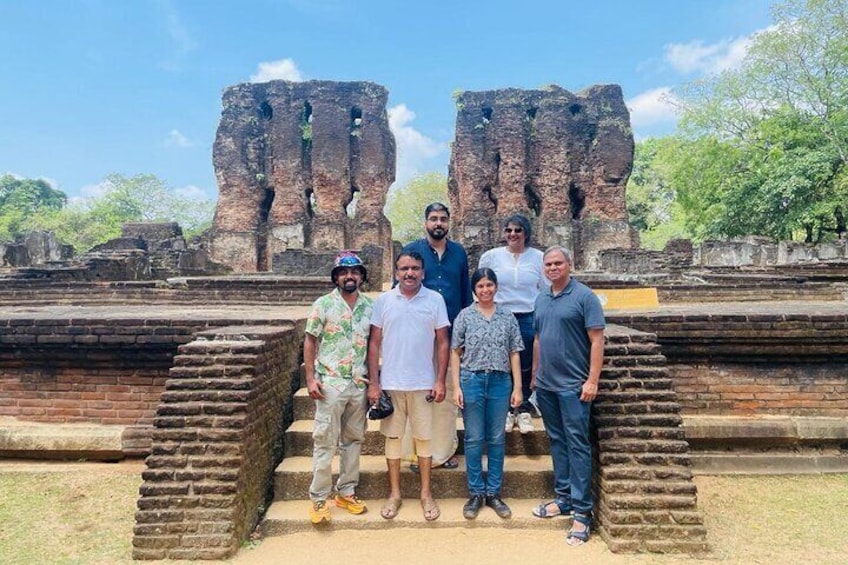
(407,323)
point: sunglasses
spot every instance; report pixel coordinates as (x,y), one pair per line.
(513,230)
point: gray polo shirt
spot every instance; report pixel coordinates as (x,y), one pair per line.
(561,322)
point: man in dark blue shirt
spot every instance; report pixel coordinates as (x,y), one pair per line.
(446,272)
(445,261)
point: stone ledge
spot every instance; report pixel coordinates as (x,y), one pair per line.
(788,463)
(766,429)
(60,441)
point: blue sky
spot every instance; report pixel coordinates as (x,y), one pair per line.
(92,87)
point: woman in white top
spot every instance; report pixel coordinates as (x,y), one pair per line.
(519,270)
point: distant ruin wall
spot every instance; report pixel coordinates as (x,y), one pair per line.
(290,157)
(561,159)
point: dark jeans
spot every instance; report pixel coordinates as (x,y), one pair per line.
(566,421)
(528,334)
(486,400)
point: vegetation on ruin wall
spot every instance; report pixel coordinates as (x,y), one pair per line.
(763,147)
(405,204)
(27,204)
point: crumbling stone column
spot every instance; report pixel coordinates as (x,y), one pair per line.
(559,158)
(290,158)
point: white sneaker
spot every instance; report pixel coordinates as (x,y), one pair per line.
(510,422)
(525,423)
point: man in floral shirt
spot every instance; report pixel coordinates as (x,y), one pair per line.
(336,377)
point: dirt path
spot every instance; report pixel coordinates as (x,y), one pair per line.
(433,546)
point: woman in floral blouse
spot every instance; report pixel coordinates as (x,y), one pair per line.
(486,373)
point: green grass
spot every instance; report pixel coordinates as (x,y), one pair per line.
(67,518)
(84,514)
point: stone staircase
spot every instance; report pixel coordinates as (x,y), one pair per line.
(646,500)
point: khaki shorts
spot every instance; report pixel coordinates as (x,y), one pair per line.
(412,404)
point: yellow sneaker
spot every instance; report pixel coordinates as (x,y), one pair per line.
(319,512)
(351,503)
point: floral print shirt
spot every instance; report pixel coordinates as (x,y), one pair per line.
(342,336)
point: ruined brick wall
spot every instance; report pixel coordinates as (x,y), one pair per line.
(81,370)
(754,363)
(217,437)
(73,395)
(289,158)
(559,158)
(767,388)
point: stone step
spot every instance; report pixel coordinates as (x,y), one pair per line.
(649,487)
(641,432)
(601,408)
(643,446)
(630,420)
(524,477)
(298,440)
(635,396)
(652,460)
(644,473)
(291,516)
(627,383)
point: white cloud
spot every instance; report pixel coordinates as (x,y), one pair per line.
(177,139)
(192,192)
(652,107)
(281,69)
(183,43)
(708,58)
(414,149)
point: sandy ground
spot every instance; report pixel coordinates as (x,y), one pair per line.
(428,547)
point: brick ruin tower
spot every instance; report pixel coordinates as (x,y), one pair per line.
(290,158)
(559,158)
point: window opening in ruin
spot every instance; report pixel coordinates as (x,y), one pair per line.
(311,203)
(355,121)
(533,200)
(493,198)
(487,114)
(574,109)
(262,239)
(577,200)
(350,205)
(497,164)
(265,111)
(306,122)
(531,113)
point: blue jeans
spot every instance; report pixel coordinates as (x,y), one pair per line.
(528,333)
(566,420)
(486,402)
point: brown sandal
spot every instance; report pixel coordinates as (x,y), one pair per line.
(390,508)
(431,509)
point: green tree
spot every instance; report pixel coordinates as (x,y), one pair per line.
(651,201)
(141,198)
(405,205)
(21,200)
(768,142)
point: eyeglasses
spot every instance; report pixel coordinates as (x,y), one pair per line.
(513,230)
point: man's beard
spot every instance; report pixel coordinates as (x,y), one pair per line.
(438,233)
(349,285)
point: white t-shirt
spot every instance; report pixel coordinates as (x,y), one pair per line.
(409,331)
(519,279)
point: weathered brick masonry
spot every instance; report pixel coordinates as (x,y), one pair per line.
(756,360)
(216,440)
(646,500)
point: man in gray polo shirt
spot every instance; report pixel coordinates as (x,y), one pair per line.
(568,353)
